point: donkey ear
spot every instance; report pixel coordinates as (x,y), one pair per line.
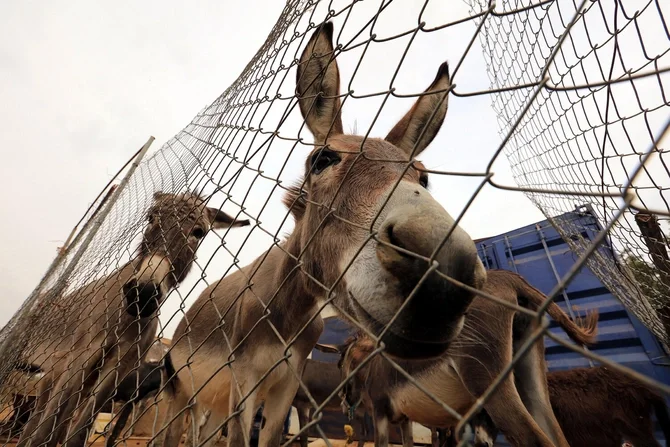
(158,195)
(408,132)
(294,200)
(328,349)
(318,85)
(220,219)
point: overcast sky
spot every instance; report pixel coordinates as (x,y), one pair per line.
(86,83)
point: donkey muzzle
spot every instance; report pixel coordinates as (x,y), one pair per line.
(142,299)
(414,248)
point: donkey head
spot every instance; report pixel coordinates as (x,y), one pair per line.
(350,194)
(352,353)
(177,224)
(485,430)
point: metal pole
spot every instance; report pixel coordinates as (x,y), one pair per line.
(558,279)
(66,244)
(553,269)
(508,246)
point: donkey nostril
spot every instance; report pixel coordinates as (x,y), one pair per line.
(130,290)
(394,240)
(389,233)
(141,299)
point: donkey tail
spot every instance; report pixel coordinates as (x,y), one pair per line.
(662,414)
(582,332)
(170,376)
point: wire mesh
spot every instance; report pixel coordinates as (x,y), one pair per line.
(609,72)
(579,93)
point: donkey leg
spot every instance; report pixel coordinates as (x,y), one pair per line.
(64,400)
(531,383)
(447,437)
(483,361)
(207,431)
(363,430)
(56,368)
(512,418)
(192,435)
(381,424)
(38,409)
(407,433)
(174,421)
(120,424)
(369,428)
(102,394)
(505,406)
(208,428)
(303,420)
(277,406)
(239,426)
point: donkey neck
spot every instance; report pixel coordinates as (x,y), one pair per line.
(288,300)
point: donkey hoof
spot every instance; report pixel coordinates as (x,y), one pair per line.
(142,299)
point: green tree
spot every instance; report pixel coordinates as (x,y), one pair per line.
(648,278)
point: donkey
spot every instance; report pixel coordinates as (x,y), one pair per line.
(596,406)
(104,342)
(366,228)
(136,387)
(492,333)
(140,384)
(321,379)
(23,397)
(444,437)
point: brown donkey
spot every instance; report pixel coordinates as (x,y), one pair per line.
(103,342)
(321,379)
(596,407)
(491,335)
(364,206)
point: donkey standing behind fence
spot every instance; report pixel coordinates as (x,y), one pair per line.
(596,407)
(138,387)
(491,335)
(370,252)
(321,379)
(112,323)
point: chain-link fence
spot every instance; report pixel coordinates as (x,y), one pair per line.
(600,108)
(293,217)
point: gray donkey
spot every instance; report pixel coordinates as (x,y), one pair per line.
(111,322)
(368,234)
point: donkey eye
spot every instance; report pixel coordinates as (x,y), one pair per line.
(198,233)
(423,180)
(323,159)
